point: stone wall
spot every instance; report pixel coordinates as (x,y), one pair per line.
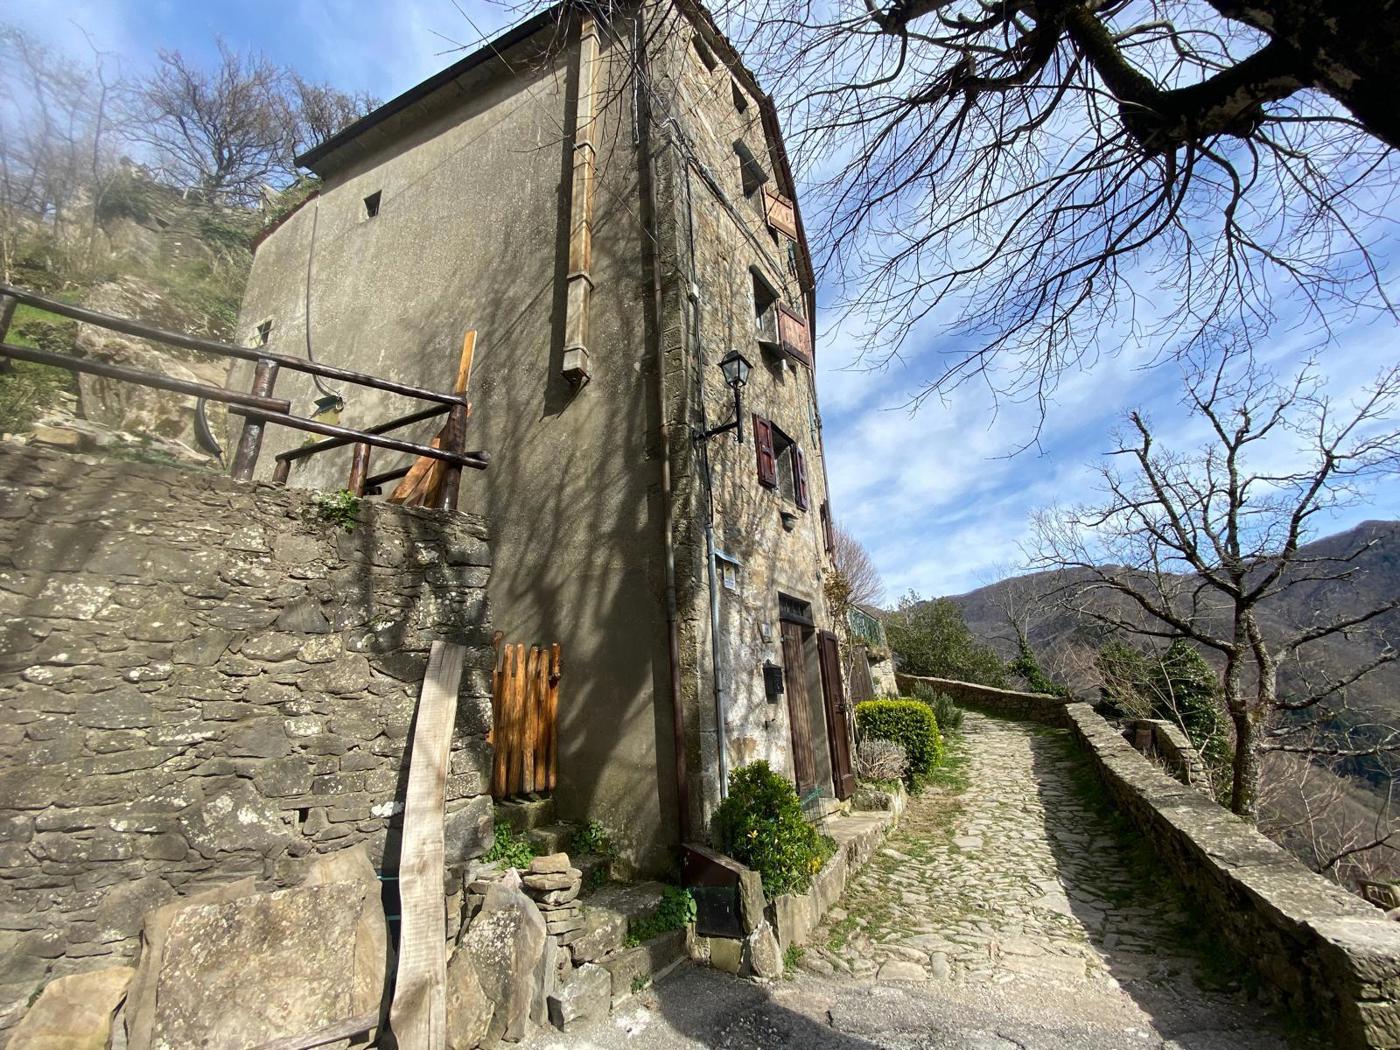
(716,243)
(1159,739)
(1009,703)
(202,680)
(1321,949)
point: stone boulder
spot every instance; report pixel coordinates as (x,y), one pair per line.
(506,941)
(469,1011)
(234,967)
(585,997)
(74,1013)
(765,957)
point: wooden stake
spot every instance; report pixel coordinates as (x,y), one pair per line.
(419,487)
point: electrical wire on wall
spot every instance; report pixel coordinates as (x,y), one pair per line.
(306,312)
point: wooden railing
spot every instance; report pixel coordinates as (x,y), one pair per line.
(525,723)
(259,407)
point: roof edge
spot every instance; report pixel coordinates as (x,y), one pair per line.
(517,34)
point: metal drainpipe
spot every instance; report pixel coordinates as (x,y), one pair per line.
(667,510)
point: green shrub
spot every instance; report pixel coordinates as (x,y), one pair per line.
(946,713)
(909,723)
(760,824)
(675,912)
(510,849)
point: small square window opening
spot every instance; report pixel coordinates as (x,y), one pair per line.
(765,313)
(264,333)
(703,52)
(751,173)
(372,204)
(741,102)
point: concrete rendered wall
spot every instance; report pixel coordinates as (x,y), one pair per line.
(201,680)
(702,192)
(472,232)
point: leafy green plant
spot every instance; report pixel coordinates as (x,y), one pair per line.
(675,912)
(341,509)
(593,838)
(932,638)
(760,824)
(640,982)
(510,849)
(909,723)
(946,713)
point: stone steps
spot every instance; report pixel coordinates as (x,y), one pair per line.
(552,838)
(526,814)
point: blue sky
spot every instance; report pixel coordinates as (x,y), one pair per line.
(936,496)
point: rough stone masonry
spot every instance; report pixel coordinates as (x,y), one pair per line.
(202,680)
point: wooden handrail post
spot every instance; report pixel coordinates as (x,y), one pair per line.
(7,315)
(245,458)
(453,438)
(282,471)
(359,470)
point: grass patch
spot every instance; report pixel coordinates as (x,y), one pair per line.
(841,932)
(792,959)
(953,775)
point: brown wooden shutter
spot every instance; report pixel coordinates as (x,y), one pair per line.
(799,477)
(828,536)
(796,340)
(782,216)
(767,460)
(838,729)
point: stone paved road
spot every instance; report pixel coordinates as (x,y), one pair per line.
(1010,910)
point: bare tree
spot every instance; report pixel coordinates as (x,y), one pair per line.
(1062,176)
(322,110)
(227,131)
(1334,826)
(854,563)
(1193,544)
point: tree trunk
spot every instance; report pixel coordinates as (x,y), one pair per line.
(1244,791)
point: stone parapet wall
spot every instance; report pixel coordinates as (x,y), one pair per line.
(1321,949)
(1010,703)
(1160,739)
(202,680)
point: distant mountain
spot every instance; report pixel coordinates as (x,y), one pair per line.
(1063,641)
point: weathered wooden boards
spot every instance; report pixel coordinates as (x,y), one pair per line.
(418,1015)
(525,727)
(420,487)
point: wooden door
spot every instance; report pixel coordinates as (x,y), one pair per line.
(795,685)
(843,777)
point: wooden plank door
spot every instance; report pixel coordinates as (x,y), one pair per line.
(843,777)
(795,685)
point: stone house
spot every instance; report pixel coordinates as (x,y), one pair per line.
(604,195)
(869,661)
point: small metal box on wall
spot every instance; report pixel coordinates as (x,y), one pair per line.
(713,880)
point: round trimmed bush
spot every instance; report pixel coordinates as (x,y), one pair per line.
(909,723)
(760,824)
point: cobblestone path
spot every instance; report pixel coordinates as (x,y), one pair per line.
(1017,888)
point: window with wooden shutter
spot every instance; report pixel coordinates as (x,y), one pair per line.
(799,478)
(793,335)
(828,537)
(767,461)
(782,216)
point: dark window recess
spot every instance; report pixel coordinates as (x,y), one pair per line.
(795,610)
(264,333)
(786,452)
(751,173)
(703,52)
(765,312)
(741,101)
(372,204)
